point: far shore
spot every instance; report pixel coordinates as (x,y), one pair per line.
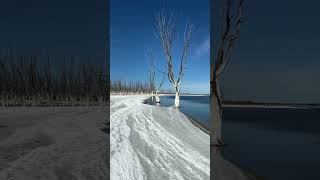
(160,94)
(271,106)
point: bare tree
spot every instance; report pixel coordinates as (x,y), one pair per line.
(151,72)
(153,69)
(167,34)
(132,87)
(230,32)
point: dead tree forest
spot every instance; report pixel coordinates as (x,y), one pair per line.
(35,80)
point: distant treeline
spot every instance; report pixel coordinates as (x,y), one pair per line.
(118,86)
(269,103)
(51,81)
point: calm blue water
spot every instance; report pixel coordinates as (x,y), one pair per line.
(276,144)
(197,107)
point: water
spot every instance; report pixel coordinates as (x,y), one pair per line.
(197,107)
(274,143)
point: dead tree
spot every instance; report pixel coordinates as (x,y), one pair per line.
(152,72)
(230,32)
(166,28)
(153,69)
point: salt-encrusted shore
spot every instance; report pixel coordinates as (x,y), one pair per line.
(154,142)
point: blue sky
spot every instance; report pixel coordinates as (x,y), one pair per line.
(132,27)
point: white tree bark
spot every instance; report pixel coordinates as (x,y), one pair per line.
(177,97)
(167,35)
(157,97)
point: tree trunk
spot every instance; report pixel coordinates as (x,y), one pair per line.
(87,100)
(34,100)
(152,96)
(100,100)
(216,107)
(216,138)
(177,98)
(157,97)
(3,100)
(24,99)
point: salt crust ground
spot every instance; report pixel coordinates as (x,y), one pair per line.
(53,143)
(153,142)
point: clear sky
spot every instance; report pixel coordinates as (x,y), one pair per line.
(59,27)
(133,30)
(277,55)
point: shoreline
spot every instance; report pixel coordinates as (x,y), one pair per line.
(201,126)
(248,172)
(184,94)
(193,120)
(242,104)
(160,94)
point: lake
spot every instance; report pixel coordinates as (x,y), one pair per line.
(196,107)
(274,143)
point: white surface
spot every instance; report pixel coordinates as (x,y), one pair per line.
(153,142)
